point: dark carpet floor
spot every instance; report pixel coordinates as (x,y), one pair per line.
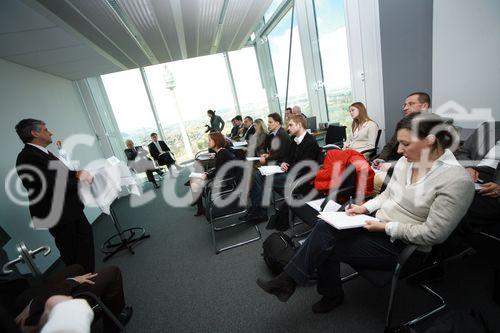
(176,283)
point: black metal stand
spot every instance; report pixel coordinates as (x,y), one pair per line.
(124,239)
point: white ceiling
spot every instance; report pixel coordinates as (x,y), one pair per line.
(82,38)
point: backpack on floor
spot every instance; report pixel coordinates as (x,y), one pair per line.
(278,250)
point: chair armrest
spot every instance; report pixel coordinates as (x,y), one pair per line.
(205,151)
(368,150)
(406,253)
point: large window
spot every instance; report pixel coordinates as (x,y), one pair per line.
(131,108)
(251,94)
(279,44)
(183,91)
(330,20)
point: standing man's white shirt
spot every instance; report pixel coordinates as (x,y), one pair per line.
(39,147)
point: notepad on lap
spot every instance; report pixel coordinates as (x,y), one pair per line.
(239,143)
(340,220)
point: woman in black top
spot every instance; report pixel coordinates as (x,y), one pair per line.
(216,142)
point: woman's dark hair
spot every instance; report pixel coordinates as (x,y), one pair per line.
(211,112)
(424,124)
(218,139)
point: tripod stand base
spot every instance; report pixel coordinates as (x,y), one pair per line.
(123,240)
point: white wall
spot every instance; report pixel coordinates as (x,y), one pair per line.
(27,93)
(466,56)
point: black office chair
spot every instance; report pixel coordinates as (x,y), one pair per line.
(214,193)
(372,153)
(335,135)
(411,265)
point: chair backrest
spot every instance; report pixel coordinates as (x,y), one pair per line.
(378,138)
(372,153)
(321,157)
(335,134)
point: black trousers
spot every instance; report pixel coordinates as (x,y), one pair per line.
(166,159)
(75,241)
(151,177)
(326,247)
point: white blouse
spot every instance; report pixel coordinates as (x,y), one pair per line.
(363,137)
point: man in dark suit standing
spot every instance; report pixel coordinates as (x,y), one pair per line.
(277,141)
(162,154)
(304,147)
(248,128)
(53,195)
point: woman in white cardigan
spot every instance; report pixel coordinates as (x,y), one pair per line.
(427,196)
(364,130)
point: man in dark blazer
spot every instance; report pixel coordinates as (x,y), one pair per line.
(248,128)
(277,142)
(162,153)
(132,152)
(480,155)
(53,195)
(304,147)
(235,131)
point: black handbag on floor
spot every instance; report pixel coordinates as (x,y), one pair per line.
(278,250)
(279,220)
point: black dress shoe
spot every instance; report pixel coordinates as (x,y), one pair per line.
(327,304)
(125,315)
(200,212)
(282,288)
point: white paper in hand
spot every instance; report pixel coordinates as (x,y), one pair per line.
(331,206)
(340,220)
(267,170)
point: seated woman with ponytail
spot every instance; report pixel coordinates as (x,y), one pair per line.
(425,199)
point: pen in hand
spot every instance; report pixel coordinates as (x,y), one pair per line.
(350,202)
